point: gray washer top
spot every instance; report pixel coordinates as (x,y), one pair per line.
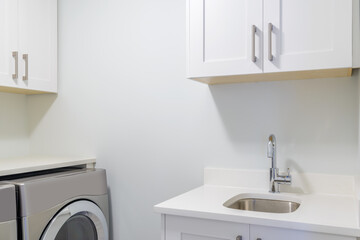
(7,203)
(43,192)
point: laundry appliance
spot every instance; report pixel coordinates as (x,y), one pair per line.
(63,205)
(8,223)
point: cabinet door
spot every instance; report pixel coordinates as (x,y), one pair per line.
(38,39)
(307,34)
(271,233)
(182,228)
(8,42)
(220,37)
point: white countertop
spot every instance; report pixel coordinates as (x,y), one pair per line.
(17,165)
(325,213)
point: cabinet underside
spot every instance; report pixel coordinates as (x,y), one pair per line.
(20,91)
(278,76)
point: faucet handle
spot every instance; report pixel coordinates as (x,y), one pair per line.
(288,172)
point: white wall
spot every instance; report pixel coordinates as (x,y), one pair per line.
(315,122)
(14,139)
(123,96)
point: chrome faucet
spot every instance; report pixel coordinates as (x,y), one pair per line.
(275,178)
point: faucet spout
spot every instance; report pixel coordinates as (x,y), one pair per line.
(275,178)
(271,151)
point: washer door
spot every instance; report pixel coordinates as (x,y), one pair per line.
(82,220)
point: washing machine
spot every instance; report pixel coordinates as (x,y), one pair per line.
(8,223)
(65,205)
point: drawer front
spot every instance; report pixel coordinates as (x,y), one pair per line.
(272,233)
(183,228)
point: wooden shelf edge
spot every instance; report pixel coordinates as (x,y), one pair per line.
(22,91)
(279,76)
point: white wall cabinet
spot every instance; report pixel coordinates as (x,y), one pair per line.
(185,228)
(8,41)
(256,39)
(307,34)
(220,37)
(28,48)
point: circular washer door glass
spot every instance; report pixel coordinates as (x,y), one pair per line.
(77,227)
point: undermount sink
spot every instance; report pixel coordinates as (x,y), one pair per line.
(262,203)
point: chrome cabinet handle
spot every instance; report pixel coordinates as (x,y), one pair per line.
(26,60)
(239,237)
(253,31)
(270,28)
(16,57)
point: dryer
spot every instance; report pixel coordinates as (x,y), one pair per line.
(8,224)
(64,205)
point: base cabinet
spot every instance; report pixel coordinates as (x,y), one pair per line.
(272,233)
(185,228)
(180,228)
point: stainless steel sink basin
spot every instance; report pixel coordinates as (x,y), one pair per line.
(262,204)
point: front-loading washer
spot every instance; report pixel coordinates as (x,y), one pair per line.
(8,223)
(68,205)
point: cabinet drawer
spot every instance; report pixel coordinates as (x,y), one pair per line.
(183,228)
(272,233)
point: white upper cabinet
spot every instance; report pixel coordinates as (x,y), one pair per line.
(307,34)
(260,39)
(28,46)
(8,42)
(221,37)
(38,39)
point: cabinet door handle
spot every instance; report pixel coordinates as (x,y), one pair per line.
(16,57)
(239,237)
(253,31)
(26,60)
(270,28)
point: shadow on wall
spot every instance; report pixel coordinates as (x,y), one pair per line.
(13,125)
(296,167)
(13,117)
(246,109)
(40,106)
(306,109)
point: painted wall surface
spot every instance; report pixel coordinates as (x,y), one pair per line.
(14,138)
(123,97)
